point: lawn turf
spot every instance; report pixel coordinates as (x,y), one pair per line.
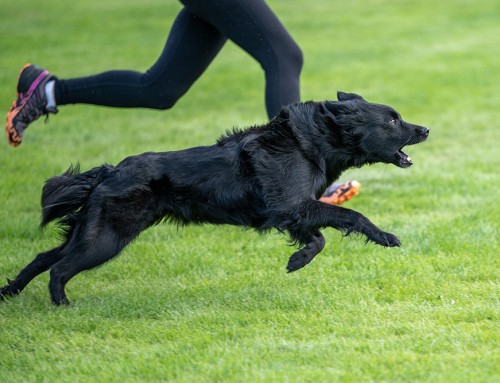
(206,304)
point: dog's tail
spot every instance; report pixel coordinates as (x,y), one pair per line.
(67,193)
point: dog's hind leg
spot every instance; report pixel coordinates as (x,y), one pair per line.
(306,254)
(89,249)
(41,263)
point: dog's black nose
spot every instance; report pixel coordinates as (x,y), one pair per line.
(422,131)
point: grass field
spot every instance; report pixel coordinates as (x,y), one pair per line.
(214,304)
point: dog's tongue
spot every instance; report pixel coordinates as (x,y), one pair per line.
(403,159)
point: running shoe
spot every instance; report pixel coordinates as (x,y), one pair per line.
(31,102)
(337,194)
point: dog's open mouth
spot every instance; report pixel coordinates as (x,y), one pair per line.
(402,159)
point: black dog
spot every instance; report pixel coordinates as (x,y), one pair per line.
(265,177)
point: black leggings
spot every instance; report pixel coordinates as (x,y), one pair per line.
(197,35)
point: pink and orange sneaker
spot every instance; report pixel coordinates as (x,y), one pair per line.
(31,102)
(337,194)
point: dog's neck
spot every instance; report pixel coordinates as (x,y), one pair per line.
(319,141)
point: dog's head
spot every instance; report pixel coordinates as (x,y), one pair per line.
(374,132)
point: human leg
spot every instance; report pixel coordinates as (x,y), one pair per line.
(191,46)
(253,26)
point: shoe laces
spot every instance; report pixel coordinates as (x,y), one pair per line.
(33,108)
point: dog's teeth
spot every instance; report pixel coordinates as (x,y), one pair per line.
(409,158)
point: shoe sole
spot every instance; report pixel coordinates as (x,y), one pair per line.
(12,136)
(336,199)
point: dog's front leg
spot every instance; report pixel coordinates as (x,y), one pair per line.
(306,254)
(317,214)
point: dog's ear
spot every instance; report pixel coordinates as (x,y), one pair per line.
(342,96)
(333,108)
(283,113)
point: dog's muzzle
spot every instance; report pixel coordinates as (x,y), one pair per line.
(401,158)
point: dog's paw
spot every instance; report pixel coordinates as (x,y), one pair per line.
(305,255)
(299,259)
(387,240)
(9,290)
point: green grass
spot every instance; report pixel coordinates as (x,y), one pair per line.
(207,304)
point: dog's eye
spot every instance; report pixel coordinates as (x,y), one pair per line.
(393,122)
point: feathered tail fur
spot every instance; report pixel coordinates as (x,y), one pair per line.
(68,192)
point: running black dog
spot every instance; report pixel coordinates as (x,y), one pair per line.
(265,177)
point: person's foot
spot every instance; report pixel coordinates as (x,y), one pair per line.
(337,194)
(31,102)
